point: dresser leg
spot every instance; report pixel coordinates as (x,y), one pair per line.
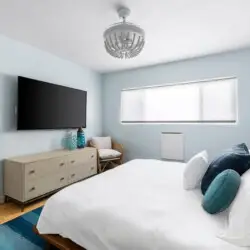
(22,207)
(6,199)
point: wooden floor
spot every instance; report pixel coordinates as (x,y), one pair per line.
(10,210)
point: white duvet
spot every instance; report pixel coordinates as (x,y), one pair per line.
(139,206)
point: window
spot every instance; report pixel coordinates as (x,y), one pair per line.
(208,101)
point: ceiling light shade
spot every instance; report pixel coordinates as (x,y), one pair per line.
(124,40)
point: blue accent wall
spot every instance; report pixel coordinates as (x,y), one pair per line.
(143,140)
(20,59)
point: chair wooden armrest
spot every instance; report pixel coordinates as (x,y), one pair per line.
(119,148)
(90,144)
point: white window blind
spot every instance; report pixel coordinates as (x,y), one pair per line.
(210,101)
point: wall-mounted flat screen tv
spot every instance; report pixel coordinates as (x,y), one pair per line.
(43,105)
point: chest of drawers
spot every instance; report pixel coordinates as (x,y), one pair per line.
(29,177)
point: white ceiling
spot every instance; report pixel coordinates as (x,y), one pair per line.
(175,29)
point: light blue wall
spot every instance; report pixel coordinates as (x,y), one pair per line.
(143,141)
(20,59)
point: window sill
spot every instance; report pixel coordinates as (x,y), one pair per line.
(183,123)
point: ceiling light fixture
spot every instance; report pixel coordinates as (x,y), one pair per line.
(124,40)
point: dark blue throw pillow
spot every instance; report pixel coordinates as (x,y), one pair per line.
(236,158)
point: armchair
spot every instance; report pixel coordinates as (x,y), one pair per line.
(109,152)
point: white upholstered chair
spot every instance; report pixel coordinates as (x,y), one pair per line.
(110,153)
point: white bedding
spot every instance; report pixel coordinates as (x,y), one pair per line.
(139,206)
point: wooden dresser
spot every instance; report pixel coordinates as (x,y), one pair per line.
(27,178)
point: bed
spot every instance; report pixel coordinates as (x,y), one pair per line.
(140,205)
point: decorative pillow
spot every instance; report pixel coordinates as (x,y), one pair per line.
(195,170)
(221,192)
(108,153)
(238,228)
(237,158)
(102,142)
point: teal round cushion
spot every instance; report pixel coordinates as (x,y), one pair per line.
(221,191)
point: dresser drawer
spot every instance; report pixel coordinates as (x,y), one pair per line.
(81,172)
(39,187)
(44,185)
(61,181)
(77,174)
(92,169)
(43,168)
(81,158)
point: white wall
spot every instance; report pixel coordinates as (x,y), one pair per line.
(143,141)
(20,59)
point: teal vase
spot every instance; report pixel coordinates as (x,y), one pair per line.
(70,141)
(80,138)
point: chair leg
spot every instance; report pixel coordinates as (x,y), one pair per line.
(113,164)
(103,166)
(99,168)
(121,161)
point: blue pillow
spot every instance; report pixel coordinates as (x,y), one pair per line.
(236,158)
(221,192)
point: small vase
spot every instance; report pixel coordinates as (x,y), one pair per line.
(70,141)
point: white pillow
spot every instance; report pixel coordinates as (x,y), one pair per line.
(195,170)
(102,142)
(238,229)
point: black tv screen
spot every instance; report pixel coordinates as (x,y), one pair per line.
(43,105)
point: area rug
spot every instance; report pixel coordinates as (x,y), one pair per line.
(18,234)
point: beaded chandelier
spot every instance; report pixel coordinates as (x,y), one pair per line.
(123,39)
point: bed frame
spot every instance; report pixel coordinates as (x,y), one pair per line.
(55,241)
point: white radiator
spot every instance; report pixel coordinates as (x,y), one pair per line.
(172,146)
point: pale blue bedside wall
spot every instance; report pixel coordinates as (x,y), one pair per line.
(20,59)
(143,141)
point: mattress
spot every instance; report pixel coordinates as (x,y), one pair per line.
(140,205)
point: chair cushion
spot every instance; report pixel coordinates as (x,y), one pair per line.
(221,192)
(236,158)
(108,153)
(102,142)
(195,170)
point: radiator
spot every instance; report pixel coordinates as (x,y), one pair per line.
(172,146)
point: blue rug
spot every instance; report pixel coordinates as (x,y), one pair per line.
(18,234)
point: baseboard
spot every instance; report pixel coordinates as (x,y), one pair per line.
(2,199)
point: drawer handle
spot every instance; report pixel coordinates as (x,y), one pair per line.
(62,179)
(61,164)
(31,171)
(92,168)
(73,175)
(72,162)
(92,156)
(32,189)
